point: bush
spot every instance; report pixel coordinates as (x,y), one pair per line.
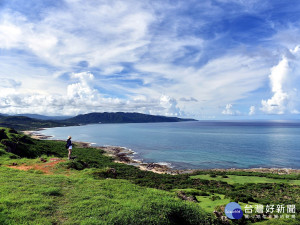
(105,173)
(215,197)
(13,156)
(202,193)
(76,164)
(2,152)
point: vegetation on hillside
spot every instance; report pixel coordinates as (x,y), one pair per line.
(99,190)
(27,123)
(121,117)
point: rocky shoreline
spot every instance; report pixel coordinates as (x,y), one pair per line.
(124,155)
(35,134)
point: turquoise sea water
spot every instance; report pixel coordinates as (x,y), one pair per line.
(198,145)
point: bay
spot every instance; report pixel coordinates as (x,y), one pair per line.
(198,144)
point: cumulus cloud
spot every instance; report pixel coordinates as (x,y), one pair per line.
(169,106)
(252,110)
(230,111)
(284,85)
(83,90)
(278,103)
(82,97)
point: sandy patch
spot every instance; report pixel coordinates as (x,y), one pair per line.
(46,168)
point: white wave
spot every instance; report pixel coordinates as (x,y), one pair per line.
(165,164)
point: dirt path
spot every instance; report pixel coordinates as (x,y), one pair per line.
(46,168)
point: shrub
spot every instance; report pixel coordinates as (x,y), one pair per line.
(13,156)
(76,164)
(106,172)
(2,152)
(214,197)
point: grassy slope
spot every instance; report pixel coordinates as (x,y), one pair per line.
(27,197)
(128,197)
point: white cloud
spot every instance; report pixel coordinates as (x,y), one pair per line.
(110,32)
(284,83)
(230,111)
(9,83)
(252,110)
(9,35)
(136,51)
(226,79)
(169,106)
(82,97)
(277,104)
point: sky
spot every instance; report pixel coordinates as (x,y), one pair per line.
(208,59)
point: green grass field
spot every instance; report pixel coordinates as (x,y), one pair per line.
(235,179)
(209,205)
(31,198)
(210,201)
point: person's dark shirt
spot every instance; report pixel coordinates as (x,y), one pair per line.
(69,143)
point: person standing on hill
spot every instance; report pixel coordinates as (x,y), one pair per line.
(69,146)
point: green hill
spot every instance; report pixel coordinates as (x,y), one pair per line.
(121,117)
(27,123)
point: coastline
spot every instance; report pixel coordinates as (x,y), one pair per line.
(120,154)
(35,134)
(124,155)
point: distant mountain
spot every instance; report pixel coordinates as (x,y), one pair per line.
(42,117)
(26,123)
(121,117)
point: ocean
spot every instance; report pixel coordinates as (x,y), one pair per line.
(198,144)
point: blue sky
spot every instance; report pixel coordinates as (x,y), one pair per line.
(210,59)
